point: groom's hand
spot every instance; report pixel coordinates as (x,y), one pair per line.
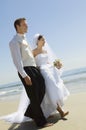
(28,80)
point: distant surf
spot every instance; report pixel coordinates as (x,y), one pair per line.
(74,80)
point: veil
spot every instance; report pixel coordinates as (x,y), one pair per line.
(51,55)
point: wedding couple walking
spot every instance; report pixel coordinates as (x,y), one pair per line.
(44,91)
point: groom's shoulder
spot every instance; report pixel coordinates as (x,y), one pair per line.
(13,40)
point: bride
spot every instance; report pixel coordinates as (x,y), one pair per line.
(55,89)
(56,92)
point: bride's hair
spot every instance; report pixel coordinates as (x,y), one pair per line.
(39,37)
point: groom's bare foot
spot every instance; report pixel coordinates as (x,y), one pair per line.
(51,116)
(48,124)
(63,114)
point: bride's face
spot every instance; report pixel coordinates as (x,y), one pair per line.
(41,42)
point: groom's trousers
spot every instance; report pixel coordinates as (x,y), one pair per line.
(36,94)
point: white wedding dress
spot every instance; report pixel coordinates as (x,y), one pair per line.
(55,94)
(55,89)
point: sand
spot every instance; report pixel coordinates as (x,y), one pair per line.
(76,120)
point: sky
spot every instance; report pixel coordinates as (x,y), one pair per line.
(62,22)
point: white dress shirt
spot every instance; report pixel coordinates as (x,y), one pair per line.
(21,53)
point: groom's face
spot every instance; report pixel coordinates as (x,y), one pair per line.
(23,27)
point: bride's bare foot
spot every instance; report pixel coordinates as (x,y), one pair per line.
(63,114)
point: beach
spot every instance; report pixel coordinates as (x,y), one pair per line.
(75,81)
(76,120)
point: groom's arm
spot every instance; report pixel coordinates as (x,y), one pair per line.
(16,56)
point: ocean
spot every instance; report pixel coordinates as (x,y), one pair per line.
(74,80)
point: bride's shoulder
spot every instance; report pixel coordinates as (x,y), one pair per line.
(38,52)
(44,51)
(35,52)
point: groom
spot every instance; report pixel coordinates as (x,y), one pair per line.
(28,73)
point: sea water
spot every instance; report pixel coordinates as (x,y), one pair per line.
(74,80)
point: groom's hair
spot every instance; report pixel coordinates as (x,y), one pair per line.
(18,21)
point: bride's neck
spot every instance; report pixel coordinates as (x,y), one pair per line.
(39,48)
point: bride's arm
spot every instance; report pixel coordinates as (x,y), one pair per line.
(34,52)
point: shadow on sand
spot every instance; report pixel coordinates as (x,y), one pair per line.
(32,126)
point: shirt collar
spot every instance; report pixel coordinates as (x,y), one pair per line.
(23,36)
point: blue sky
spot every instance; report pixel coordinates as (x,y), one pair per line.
(62,22)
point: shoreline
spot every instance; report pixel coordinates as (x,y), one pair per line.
(17,96)
(75,120)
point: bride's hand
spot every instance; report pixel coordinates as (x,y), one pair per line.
(28,80)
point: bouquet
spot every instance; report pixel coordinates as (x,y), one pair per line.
(57,63)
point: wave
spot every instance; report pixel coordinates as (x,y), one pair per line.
(10,85)
(10,89)
(74,72)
